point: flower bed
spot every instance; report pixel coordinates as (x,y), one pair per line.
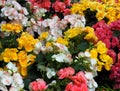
(60,45)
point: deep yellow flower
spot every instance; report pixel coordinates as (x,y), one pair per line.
(101,47)
(27,41)
(88,29)
(11,27)
(17,28)
(94,53)
(10,54)
(106,58)
(107,66)
(91,37)
(77,8)
(73,32)
(43,35)
(24,61)
(100,15)
(23,71)
(48,44)
(62,41)
(99,65)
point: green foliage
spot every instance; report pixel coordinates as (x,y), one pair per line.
(59,86)
(116,33)
(78,44)
(32,75)
(81,64)
(9,41)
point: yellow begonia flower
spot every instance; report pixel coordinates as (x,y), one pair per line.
(99,65)
(73,32)
(107,66)
(10,54)
(105,58)
(23,71)
(27,41)
(43,35)
(24,61)
(88,29)
(100,15)
(17,28)
(91,37)
(11,27)
(101,47)
(62,41)
(77,8)
(93,53)
(48,44)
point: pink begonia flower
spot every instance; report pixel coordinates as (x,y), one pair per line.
(112,54)
(2,2)
(59,6)
(65,72)
(38,85)
(115,26)
(79,78)
(107,42)
(119,57)
(115,42)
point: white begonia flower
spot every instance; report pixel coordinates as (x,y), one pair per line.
(87,54)
(3,87)
(17,5)
(1,73)
(17,81)
(81,54)
(12,88)
(40,12)
(90,81)
(11,66)
(6,79)
(52,83)
(61,57)
(75,20)
(25,11)
(50,72)
(37,47)
(62,48)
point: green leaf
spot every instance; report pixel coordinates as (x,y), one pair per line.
(9,41)
(116,33)
(83,45)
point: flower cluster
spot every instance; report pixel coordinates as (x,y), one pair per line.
(11,80)
(59,45)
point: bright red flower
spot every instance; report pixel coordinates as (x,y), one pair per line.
(79,78)
(66,12)
(41,3)
(67,2)
(59,6)
(73,87)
